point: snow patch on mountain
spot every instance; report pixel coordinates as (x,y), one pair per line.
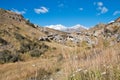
(78,26)
(57,27)
(61,27)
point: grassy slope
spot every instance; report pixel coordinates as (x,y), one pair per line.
(97,64)
(59,62)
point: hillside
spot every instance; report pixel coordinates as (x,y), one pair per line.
(18,37)
(31,52)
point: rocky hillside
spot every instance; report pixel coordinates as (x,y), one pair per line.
(106,33)
(18,37)
(91,54)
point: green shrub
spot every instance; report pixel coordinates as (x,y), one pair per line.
(3,42)
(36,53)
(4,32)
(35,49)
(25,47)
(29,23)
(6,56)
(19,36)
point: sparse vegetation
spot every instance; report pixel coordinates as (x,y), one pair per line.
(3,42)
(35,49)
(6,56)
(106,43)
(19,37)
(30,24)
(108,74)
(86,56)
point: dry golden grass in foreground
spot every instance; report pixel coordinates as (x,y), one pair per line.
(63,64)
(102,64)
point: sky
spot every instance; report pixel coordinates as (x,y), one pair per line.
(65,12)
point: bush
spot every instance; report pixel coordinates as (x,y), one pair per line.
(30,24)
(25,47)
(35,49)
(6,56)
(36,53)
(4,32)
(19,36)
(3,42)
(38,50)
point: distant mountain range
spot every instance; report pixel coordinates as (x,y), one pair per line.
(76,28)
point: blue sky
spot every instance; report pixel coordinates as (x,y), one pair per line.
(65,12)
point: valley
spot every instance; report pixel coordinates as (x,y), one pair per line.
(32,52)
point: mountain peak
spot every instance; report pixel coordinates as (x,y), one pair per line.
(75,28)
(59,27)
(78,26)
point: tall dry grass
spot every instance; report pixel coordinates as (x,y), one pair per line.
(95,64)
(67,63)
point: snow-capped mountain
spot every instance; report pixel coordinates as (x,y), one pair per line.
(76,28)
(57,27)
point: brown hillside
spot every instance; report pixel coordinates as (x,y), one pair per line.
(30,52)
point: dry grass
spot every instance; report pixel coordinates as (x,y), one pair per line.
(96,62)
(60,62)
(92,64)
(23,70)
(68,63)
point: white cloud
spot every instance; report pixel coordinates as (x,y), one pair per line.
(41,10)
(99,3)
(81,9)
(116,12)
(19,12)
(101,8)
